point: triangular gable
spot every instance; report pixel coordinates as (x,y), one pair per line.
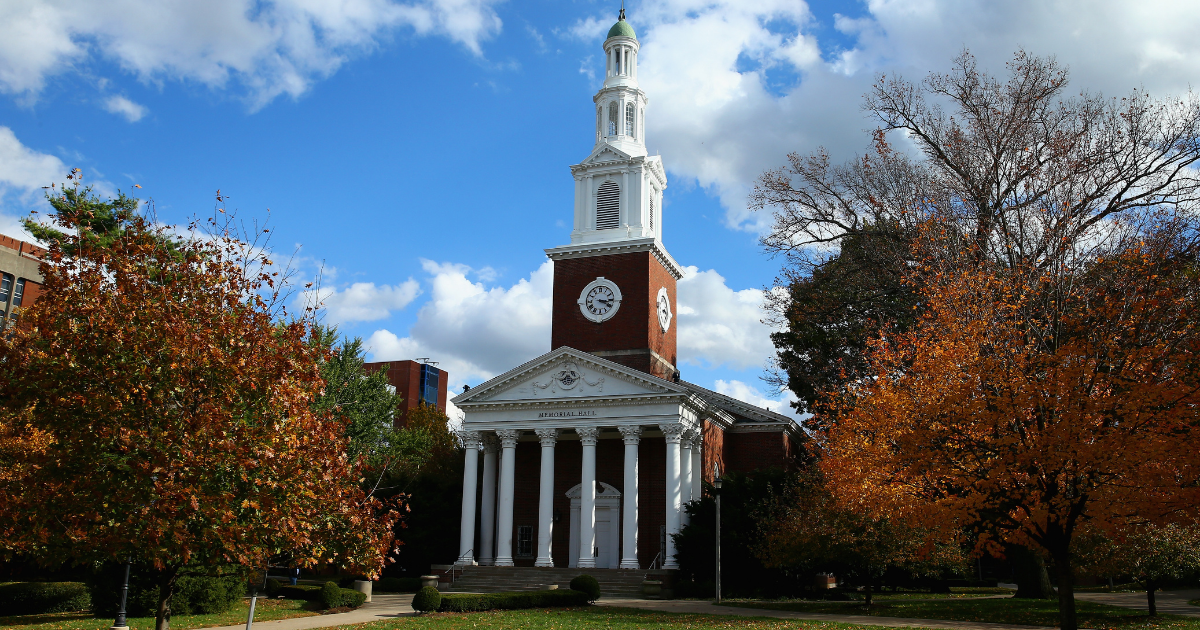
(606,153)
(567,373)
(737,408)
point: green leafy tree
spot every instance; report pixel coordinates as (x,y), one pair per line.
(1150,554)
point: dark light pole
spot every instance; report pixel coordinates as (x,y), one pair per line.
(120,624)
(717,486)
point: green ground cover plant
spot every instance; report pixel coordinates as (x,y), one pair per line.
(474,602)
(1034,612)
(264,610)
(33,598)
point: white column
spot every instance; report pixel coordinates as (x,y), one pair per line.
(697,466)
(487,511)
(504,525)
(466,535)
(685,475)
(629,511)
(587,497)
(546,498)
(672,432)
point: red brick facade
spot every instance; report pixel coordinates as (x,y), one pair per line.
(633,336)
(405,376)
(19,270)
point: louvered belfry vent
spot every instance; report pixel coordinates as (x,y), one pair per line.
(608,206)
(652,210)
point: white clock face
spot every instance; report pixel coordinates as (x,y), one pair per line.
(664,309)
(600,300)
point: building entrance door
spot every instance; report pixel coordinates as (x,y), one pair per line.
(607,544)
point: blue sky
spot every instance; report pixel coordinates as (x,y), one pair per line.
(417,150)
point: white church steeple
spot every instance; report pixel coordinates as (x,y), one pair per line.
(618,187)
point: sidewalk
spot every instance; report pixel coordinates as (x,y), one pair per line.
(383,606)
(708,608)
(1166,602)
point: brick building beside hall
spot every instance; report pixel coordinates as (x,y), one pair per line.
(585,456)
(417,382)
(20,280)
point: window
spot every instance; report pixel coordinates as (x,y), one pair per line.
(612,118)
(629,119)
(608,206)
(19,292)
(5,288)
(599,121)
(525,541)
(429,385)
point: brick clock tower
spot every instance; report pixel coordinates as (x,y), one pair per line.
(614,285)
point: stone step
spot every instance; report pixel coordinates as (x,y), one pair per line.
(613,582)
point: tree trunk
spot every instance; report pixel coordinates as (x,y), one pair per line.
(166,588)
(869,593)
(1151,586)
(1029,571)
(1066,592)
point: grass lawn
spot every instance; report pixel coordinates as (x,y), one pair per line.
(955,593)
(1022,611)
(597,618)
(264,610)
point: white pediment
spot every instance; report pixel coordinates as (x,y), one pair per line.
(566,373)
(605,153)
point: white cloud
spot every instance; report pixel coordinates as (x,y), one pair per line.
(364,301)
(720,326)
(124,107)
(718,119)
(473,330)
(270,48)
(23,172)
(750,394)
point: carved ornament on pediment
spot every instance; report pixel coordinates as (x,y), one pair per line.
(567,378)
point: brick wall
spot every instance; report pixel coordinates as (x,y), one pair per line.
(405,376)
(745,452)
(634,327)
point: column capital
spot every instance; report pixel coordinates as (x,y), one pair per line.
(631,434)
(490,443)
(547,436)
(673,432)
(470,439)
(588,435)
(690,439)
(508,437)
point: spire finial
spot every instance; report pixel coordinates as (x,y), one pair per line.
(621,16)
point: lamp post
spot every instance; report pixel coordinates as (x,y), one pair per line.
(119,623)
(717,486)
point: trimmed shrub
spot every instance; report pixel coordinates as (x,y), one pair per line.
(587,584)
(206,595)
(306,592)
(475,602)
(427,599)
(273,587)
(36,598)
(331,595)
(397,585)
(352,598)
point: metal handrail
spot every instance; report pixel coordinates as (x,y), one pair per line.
(654,563)
(471,554)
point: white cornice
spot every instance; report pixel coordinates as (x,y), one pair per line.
(648,244)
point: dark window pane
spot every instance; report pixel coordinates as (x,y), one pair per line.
(5,288)
(19,292)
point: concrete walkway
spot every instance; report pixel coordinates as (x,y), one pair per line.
(1166,602)
(708,608)
(383,606)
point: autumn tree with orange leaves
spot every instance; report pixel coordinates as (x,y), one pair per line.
(156,406)
(1024,410)
(995,333)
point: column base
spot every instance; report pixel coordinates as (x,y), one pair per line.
(465,562)
(504,562)
(630,564)
(587,563)
(486,562)
(544,562)
(671,564)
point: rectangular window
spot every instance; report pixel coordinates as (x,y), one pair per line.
(429,385)
(525,541)
(662,545)
(19,292)
(5,288)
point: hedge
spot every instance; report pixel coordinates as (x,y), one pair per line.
(306,592)
(427,599)
(475,602)
(36,598)
(397,585)
(194,595)
(587,584)
(334,596)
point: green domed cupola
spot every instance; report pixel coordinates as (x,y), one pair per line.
(621,28)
